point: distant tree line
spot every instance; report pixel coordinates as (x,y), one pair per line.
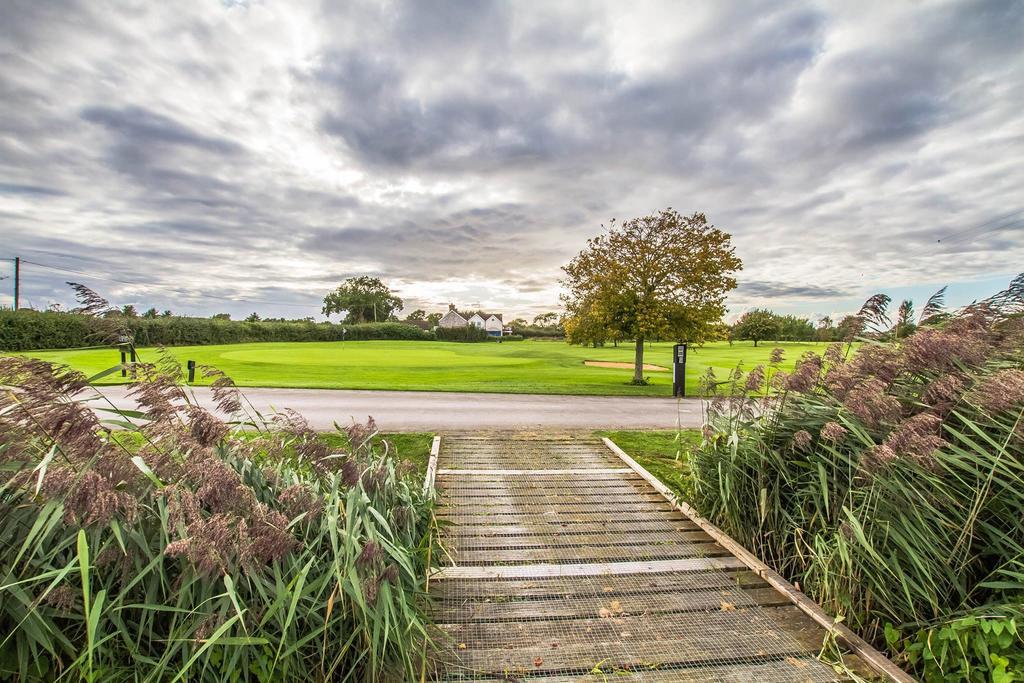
(25,330)
(872,321)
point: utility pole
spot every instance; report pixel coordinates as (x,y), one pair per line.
(17,280)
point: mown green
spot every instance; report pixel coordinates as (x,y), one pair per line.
(532,366)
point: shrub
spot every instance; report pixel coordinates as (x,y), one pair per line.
(178,550)
(461,334)
(889,485)
(506,338)
(27,330)
(530,331)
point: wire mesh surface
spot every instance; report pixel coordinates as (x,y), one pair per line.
(563,565)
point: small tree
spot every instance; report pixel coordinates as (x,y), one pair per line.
(129,311)
(151,313)
(905,325)
(826,331)
(253,318)
(362,299)
(664,275)
(433,319)
(221,316)
(419,315)
(849,328)
(545,319)
(518,324)
(166,314)
(756,325)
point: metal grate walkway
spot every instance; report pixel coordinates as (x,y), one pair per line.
(563,564)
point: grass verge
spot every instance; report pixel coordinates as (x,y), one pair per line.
(663,453)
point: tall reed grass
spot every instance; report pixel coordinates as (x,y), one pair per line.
(890,485)
(177,550)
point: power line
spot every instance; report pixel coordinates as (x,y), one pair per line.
(165,288)
(982,225)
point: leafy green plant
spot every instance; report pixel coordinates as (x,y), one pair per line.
(952,651)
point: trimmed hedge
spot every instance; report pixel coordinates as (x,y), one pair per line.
(27,330)
(507,337)
(461,334)
(535,331)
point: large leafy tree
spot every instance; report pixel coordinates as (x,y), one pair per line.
(660,276)
(757,325)
(363,299)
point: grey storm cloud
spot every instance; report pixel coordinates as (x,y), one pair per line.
(769,290)
(465,150)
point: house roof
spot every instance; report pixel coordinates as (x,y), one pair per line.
(491,315)
(453,311)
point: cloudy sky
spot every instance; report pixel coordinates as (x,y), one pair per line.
(239,156)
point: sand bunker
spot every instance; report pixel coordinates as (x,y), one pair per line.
(623,366)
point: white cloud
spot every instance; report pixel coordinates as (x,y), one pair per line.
(263,151)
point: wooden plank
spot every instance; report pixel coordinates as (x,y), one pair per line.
(609,510)
(624,642)
(570,496)
(564,517)
(596,486)
(875,659)
(580,607)
(546,528)
(469,590)
(526,571)
(556,540)
(801,668)
(428,482)
(531,473)
(587,554)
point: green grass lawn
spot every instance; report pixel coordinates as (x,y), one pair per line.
(541,367)
(663,453)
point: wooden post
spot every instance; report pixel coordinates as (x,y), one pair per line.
(132,350)
(191,371)
(17,281)
(124,359)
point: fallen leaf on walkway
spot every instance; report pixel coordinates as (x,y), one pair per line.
(538,661)
(462,646)
(616,607)
(604,612)
(728,606)
(796,662)
(608,589)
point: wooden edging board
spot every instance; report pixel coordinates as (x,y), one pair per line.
(872,657)
(428,481)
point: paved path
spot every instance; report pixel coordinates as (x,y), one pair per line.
(563,562)
(410,411)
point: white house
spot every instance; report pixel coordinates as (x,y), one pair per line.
(488,321)
(452,319)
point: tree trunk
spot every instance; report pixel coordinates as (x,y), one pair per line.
(638,366)
(755,343)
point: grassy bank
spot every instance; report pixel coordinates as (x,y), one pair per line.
(663,453)
(541,367)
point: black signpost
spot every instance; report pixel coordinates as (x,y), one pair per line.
(679,370)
